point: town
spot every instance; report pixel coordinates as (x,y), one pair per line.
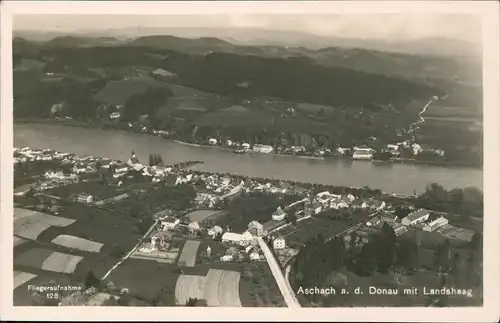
(135,234)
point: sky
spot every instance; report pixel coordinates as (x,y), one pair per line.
(388,26)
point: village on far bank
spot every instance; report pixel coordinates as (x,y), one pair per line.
(170,235)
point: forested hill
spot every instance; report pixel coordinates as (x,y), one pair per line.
(298,79)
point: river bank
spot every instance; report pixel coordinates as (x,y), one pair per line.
(108,127)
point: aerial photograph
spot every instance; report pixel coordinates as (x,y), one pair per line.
(248,160)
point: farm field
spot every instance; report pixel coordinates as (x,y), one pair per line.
(189,286)
(40,258)
(222,288)
(30,224)
(77,243)
(188,254)
(201,215)
(258,287)
(60,262)
(155,279)
(21,278)
(97,225)
(440,111)
(98,190)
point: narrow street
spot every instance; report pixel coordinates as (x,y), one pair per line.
(284,286)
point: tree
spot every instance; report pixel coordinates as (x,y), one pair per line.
(145,224)
(192,301)
(91,280)
(399,274)
(353,241)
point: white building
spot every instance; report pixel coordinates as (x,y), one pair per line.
(169,223)
(416,148)
(416,217)
(399,229)
(254,256)
(279,214)
(256,228)
(362,154)
(115,115)
(226,258)
(214,231)
(212,141)
(298,149)
(439,222)
(342,150)
(193,227)
(243,239)
(279,243)
(85,198)
(262,148)
(245,145)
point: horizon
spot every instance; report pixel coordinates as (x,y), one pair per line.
(389,27)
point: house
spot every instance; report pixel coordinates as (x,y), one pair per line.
(392,147)
(254,256)
(416,148)
(133,160)
(364,148)
(226,258)
(298,149)
(279,214)
(255,228)
(169,223)
(243,239)
(163,73)
(378,205)
(225,181)
(340,203)
(342,150)
(360,204)
(84,198)
(147,248)
(212,141)
(279,243)
(373,222)
(214,231)
(362,154)
(315,207)
(262,148)
(115,115)
(439,222)
(79,168)
(416,217)
(193,227)
(399,229)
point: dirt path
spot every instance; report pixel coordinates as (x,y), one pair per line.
(421,119)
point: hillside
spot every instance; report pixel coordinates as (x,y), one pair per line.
(292,79)
(349,54)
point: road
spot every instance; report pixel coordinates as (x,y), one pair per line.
(284,286)
(421,119)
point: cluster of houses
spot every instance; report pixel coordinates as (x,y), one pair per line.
(419,219)
(366,152)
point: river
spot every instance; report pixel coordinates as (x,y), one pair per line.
(396,178)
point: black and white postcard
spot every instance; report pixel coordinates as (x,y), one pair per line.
(267,161)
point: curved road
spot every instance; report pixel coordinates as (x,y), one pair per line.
(421,119)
